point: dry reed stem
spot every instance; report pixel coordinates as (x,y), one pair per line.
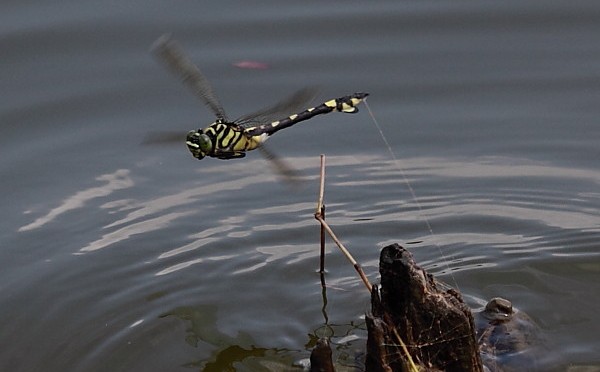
(319,215)
(321,212)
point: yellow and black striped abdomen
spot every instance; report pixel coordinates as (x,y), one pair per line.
(344,104)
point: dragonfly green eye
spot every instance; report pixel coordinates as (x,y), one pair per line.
(199,144)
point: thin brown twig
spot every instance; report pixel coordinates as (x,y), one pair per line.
(411,364)
(321,185)
(345,252)
(320,217)
(321,212)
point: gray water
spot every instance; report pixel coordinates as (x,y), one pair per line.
(119,256)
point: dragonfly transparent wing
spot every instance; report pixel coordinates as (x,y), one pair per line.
(163,138)
(172,55)
(287,173)
(297,102)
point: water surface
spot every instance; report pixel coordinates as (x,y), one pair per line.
(117,256)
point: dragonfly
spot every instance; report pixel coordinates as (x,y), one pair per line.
(225,139)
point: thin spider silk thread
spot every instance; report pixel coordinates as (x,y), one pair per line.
(411,190)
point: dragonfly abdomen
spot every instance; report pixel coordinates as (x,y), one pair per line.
(345,104)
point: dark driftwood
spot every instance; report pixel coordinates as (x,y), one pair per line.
(320,358)
(435,325)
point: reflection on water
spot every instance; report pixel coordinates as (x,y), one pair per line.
(242,352)
(133,229)
(229,351)
(115,181)
(544,207)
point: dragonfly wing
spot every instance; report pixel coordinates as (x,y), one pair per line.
(163,138)
(172,55)
(290,175)
(298,101)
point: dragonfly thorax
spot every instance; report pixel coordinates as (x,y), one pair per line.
(199,144)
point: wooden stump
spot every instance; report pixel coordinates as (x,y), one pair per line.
(434,324)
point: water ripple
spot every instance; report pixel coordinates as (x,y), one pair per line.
(114,181)
(133,229)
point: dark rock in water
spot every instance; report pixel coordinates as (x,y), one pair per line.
(508,338)
(320,357)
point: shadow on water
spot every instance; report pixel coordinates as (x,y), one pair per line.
(242,351)
(229,351)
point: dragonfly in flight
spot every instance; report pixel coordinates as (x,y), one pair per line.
(225,139)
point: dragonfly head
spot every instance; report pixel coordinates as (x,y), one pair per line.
(199,144)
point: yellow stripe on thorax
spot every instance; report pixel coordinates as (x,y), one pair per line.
(246,143)
(228,137)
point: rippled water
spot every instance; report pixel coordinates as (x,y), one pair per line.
(117,256)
